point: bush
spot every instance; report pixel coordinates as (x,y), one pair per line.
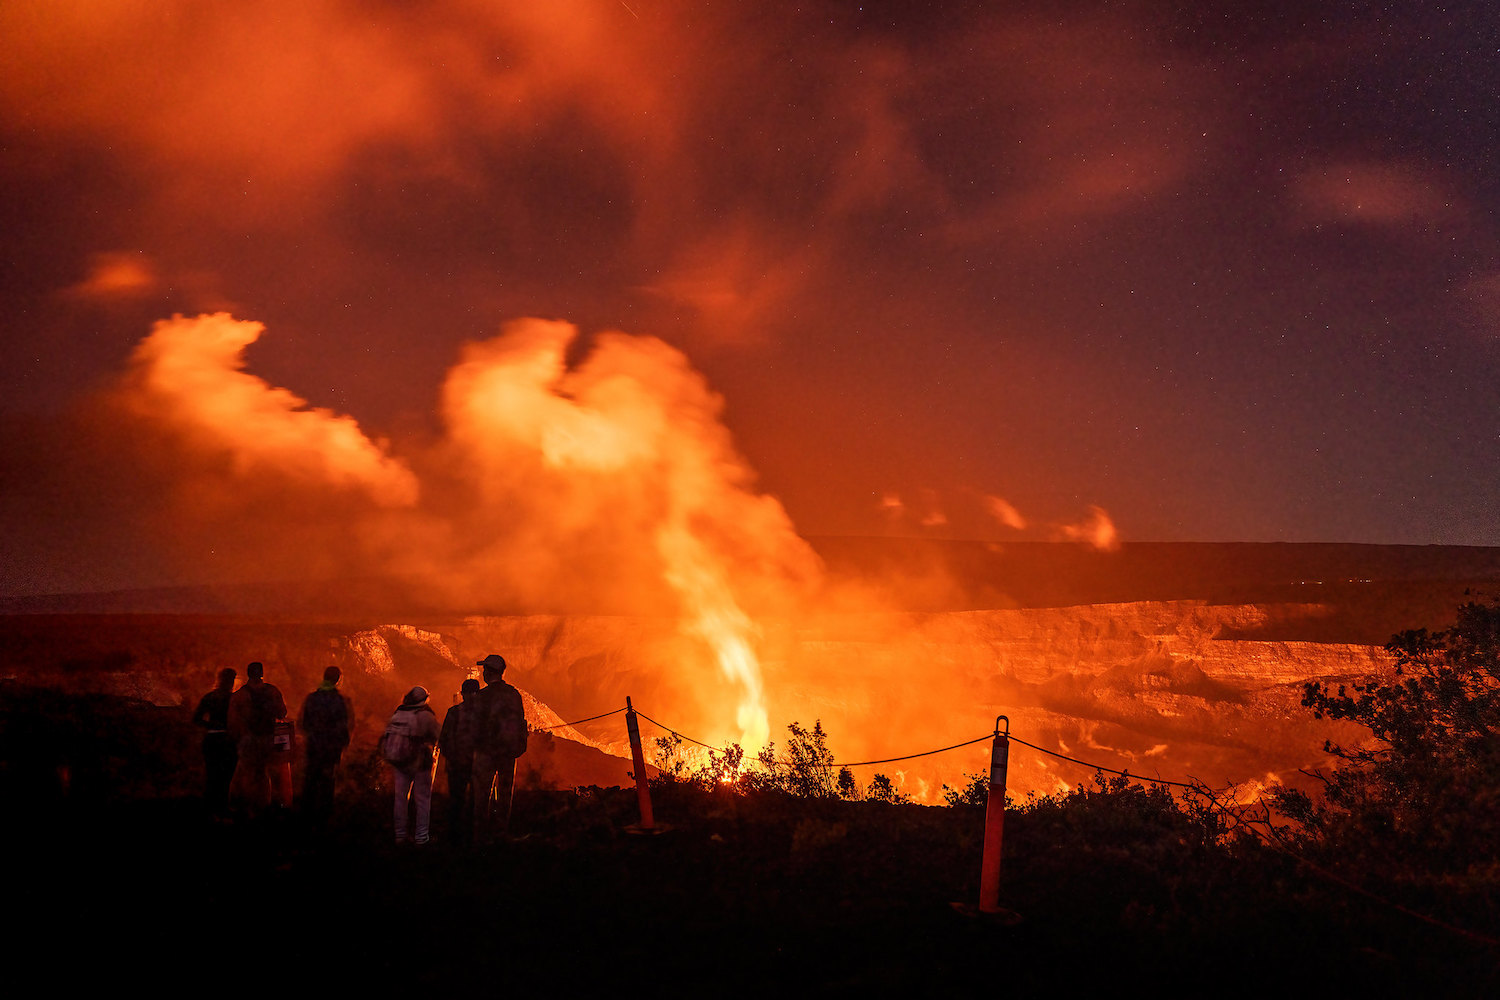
(1418,803)
(804,769)
(671,764)
(881,790)
(715,769)
(975,791)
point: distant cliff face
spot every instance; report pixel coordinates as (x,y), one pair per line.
(1177,689)
(1153,687)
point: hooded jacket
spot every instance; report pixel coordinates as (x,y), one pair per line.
(419,723)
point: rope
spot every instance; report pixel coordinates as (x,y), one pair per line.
(929,753)
(675,732)
(913,756)
(564,725)
(862,763)
(1097,767)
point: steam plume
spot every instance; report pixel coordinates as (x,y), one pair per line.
(611,486)
(1097,530)
(186,376)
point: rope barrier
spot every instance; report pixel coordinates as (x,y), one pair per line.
(913,756)
(564,725)
(676,733)
(1099,767)
(862,763)
(929,753)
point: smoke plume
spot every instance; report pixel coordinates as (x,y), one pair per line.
(610,486)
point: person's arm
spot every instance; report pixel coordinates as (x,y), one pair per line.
(200,715)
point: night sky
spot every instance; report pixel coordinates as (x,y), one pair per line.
(1147,271)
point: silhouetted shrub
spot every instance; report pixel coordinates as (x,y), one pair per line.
(1415,810)
(803,769)
(880,789)
(975,791)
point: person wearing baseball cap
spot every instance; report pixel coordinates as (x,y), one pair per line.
(500,737)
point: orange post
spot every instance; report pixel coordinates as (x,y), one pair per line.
(638,758)
(994,820)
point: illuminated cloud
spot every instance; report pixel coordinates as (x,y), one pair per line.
(286,90)
(1096,530)
(1096,121)
(117,276)
(611,485)
(927,512)
(735,281)
(186,378)
(1002,511)
(623,468)
(932,515)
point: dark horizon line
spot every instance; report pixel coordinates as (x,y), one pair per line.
(986,546)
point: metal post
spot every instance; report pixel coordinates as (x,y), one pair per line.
(994,820)
(638,758)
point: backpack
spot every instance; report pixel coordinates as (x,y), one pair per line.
(513,733)
(397,746)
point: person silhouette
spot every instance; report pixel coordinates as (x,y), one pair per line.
(325,722)
(500,738)
(254,711)
(219,752)
(407,746)
(456,743)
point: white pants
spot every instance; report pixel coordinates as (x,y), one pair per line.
(417,788)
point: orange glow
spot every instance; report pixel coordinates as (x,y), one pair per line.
(186,375)
(632,436)
(611,485)
(117,275)
(1097,530)
(1002,511)
(610,494)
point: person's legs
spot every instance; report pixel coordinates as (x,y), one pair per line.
(251,786)
(317,788)
(219,758)
(402,783)
(483,781)
(280,775)
(422,796)
(505,785)
(459,795)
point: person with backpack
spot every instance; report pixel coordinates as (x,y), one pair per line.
(325,721)
(456,746)
(500,737)
(410,736)
(254,711)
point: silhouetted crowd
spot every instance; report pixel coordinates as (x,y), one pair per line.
(249,741)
